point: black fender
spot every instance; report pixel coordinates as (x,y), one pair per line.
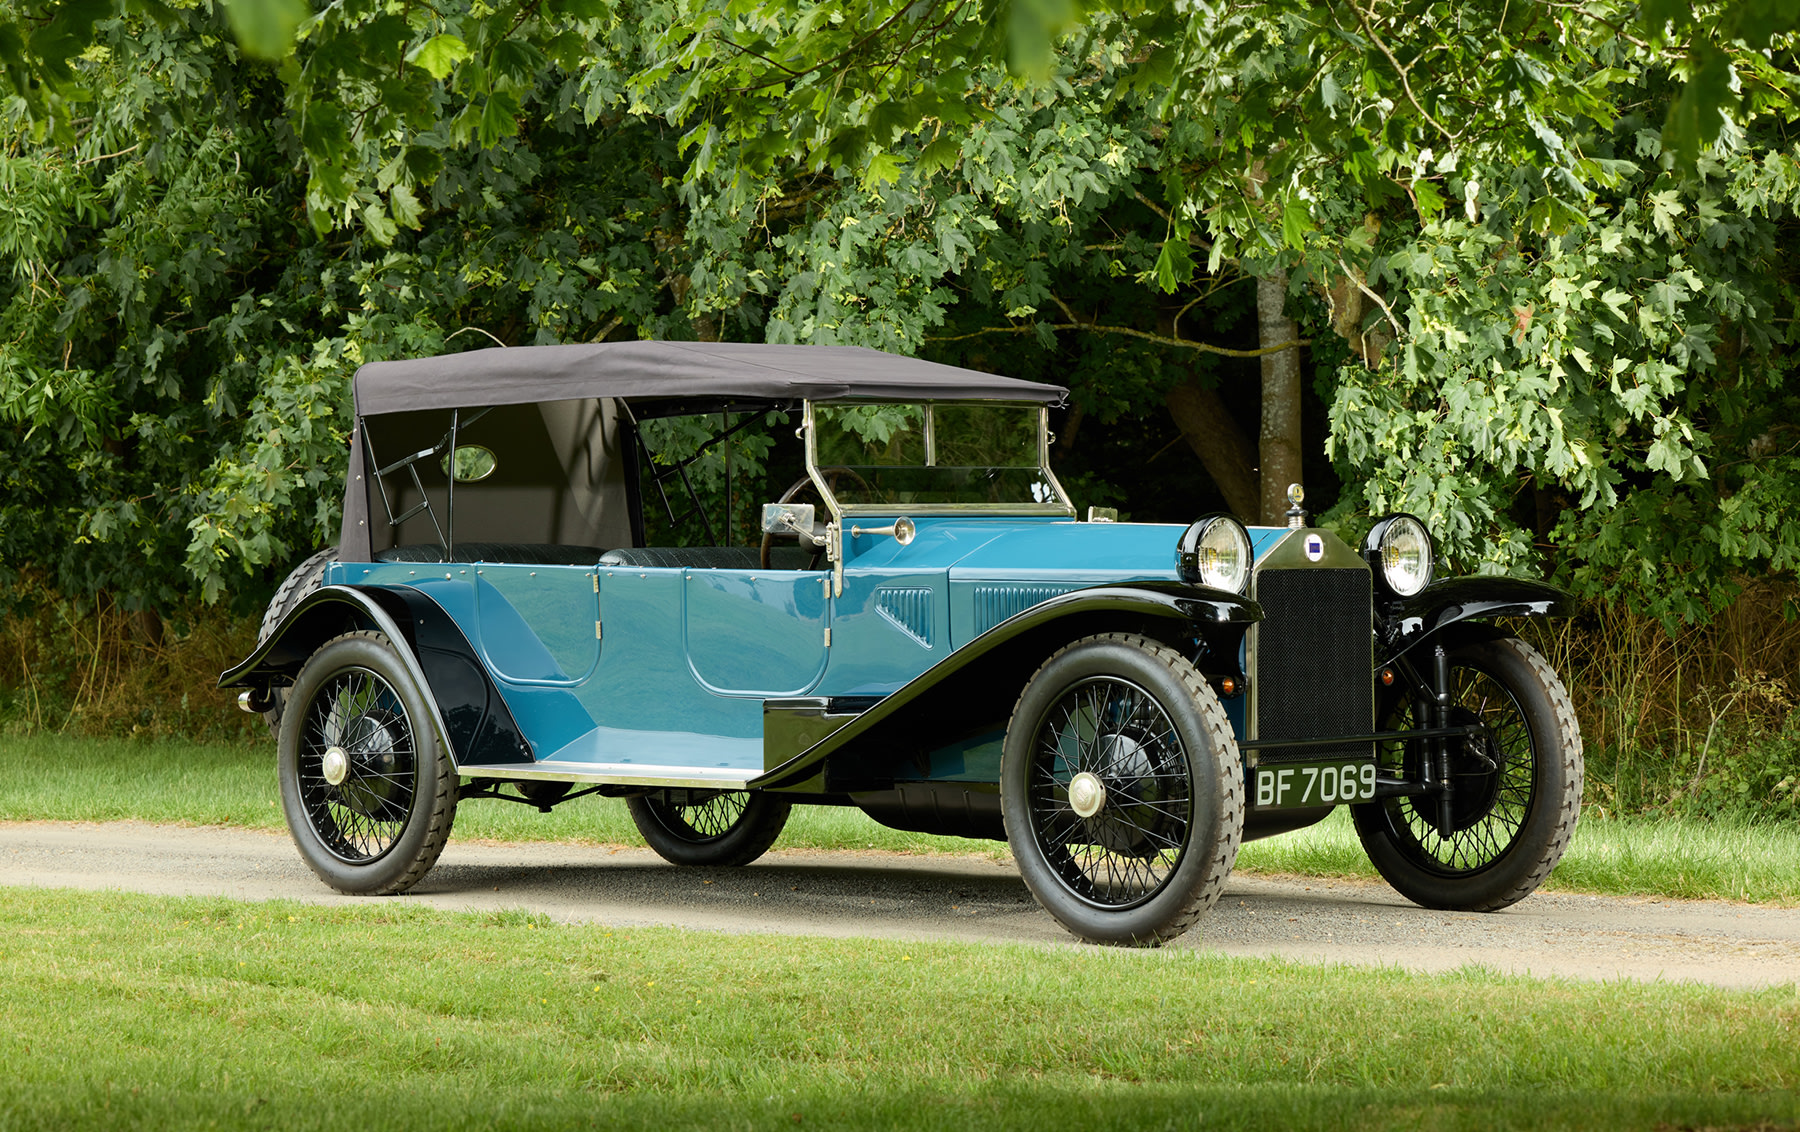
(471,719)
(943,702)
(1443,610)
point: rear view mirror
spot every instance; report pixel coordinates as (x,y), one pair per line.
(788,519)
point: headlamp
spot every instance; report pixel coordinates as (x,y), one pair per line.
(1399,550)
(1215,551)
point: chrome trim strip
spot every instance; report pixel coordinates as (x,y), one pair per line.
(1044,459)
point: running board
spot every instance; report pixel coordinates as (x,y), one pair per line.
(616,774)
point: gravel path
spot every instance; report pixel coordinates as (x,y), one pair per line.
(906,897)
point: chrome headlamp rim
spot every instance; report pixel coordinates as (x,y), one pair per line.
(1386,534)
(1204,533)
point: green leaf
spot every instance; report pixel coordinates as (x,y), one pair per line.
(939,155)
(439,55)
(265,28)
(1431,202)
(405,207)
(499,119)
(1297,221)
(1174,264)
(1330,93)
(883,168)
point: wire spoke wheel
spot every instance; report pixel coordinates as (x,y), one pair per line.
(709,827)
(706,820)
(1491,778)
(1115,732)
(1122,790)
(357,724)
(368,793)
(1515,786)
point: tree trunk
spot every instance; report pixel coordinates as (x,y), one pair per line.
(1207,425)
(1279,444)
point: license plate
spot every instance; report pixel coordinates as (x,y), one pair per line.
(1290,785)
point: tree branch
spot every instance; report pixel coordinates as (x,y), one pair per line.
(1364,288)
(826,63)
(1405,82)
(1162,340)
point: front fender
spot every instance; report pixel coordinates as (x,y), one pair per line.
(1010,652)
(471,718)
(1412,621)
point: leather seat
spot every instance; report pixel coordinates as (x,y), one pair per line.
(521,553)
(709,557)
(698,557)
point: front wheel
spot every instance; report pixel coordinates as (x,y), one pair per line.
(1122,790)
(709,827)
(1516,788)
(368,793)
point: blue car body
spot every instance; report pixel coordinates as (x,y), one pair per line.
(496,558)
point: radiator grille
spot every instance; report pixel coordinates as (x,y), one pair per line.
(1314,661)
(994,604)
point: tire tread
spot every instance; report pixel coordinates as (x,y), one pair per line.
(301,580)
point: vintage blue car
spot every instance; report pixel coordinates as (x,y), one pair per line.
(926,632)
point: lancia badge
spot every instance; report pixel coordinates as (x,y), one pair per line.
(1315,548)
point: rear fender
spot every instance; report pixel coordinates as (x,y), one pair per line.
(471,719)
(948,701)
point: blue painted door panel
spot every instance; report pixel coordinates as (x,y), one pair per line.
(645,701)
(537,622)
(756,632)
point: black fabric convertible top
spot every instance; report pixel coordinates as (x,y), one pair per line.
(529,374)
(551,415)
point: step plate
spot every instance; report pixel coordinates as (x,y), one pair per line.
(618,774)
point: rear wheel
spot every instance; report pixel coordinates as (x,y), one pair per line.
(709,827)
(1122,790)
(1516,788)
(368,793)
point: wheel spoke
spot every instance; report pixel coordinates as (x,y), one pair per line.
(1126,852)
(360,713)
(1490,806)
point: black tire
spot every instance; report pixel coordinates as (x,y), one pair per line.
(1511,821)
(381,826)
(1139,718)
(726,828)
(302,580)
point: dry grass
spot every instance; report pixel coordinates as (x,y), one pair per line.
(94,668)
(1662,715)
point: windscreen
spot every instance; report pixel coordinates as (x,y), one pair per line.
(918,455)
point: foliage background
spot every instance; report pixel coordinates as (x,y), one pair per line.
(1540,257)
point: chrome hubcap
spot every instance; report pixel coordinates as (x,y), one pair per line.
(335,765)
(1086,794)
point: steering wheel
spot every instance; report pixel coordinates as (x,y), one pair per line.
(794,491)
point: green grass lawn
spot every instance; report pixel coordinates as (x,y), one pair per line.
(126,1011)
(103,780)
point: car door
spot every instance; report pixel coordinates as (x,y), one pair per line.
(539,624)
(757,633)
